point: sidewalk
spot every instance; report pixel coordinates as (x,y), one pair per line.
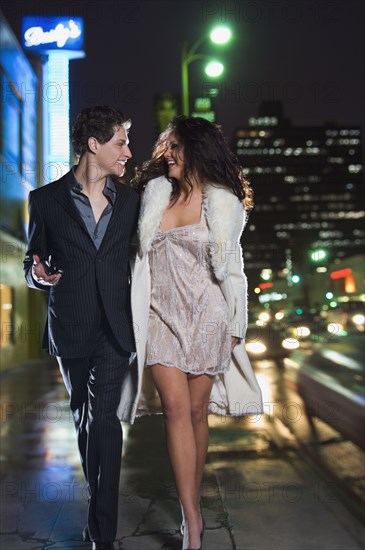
(257,495)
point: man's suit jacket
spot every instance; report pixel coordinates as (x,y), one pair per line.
(91,276)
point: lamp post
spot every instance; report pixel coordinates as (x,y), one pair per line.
(219,35)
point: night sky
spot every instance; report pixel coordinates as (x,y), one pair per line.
(308,54)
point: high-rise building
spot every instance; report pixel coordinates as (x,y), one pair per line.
(308,190)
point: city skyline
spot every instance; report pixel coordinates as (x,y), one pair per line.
(308,192)
(306,55)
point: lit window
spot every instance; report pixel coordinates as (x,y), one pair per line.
(6,316)
(354,168)
(11,142)
(335,160)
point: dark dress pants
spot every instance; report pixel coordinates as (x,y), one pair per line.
(94,385)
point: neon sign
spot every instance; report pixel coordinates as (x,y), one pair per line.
(49,33)
(341,273)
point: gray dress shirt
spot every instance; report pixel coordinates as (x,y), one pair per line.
(82,203)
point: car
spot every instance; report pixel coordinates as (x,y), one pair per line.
(329,376)
(268,341)
(348,316)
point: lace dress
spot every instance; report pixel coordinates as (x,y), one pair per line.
(189,320)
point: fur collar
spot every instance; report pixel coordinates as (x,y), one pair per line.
(224,213)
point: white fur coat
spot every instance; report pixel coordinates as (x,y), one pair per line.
(235,392)
(225,215)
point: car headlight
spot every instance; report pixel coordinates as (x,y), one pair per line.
(264,316)
(334,328)
(358,319)
(301,332)
(290,343)
(255,347)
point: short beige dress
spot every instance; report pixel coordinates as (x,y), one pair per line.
(188,324)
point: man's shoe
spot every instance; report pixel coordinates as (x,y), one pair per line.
(86,534)
(103,546)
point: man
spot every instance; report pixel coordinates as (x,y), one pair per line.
(80,228)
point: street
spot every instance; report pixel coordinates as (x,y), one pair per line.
(262,487)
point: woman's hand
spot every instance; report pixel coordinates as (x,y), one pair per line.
(235,341)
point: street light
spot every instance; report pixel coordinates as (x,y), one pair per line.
(219,36)
(214,69)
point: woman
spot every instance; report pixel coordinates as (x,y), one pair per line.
(189,300)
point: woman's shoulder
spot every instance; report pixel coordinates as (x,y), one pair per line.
(157,190)
(225,206)
(161,182)
(220,194)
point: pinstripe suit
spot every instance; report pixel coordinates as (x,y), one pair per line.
(56,228)
(89,329)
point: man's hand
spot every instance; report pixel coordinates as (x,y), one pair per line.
(40,276)
(235,341)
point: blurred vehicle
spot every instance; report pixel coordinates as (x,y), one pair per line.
(329,376)
(349,316)
(269,341)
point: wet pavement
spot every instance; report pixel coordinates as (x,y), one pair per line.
(259,493)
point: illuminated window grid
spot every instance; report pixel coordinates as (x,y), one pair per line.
(56,90)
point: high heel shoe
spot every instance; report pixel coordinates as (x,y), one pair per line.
(186,536)
(202,534)
(185,545)
(182,526)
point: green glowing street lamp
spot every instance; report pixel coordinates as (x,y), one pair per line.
(214,69)
(219,35)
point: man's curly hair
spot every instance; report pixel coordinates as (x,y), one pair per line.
(99,122)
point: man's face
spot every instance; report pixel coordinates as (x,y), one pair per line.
(112,155)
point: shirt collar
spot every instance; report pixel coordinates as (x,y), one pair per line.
(109,191)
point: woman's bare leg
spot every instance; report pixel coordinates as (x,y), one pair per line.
(200,388)
(173,387)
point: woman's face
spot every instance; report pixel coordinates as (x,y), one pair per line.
(174,157)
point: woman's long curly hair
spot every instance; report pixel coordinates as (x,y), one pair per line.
(207,158)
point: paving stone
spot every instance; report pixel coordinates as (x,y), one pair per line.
(131,513)
(9,518)
(162,515)
(280,525)
(15,542)
(218,539)
(160,541)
